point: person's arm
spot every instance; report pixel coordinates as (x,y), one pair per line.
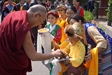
(31,52)
(64,44)
(97,38)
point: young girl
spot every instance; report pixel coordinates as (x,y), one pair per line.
(70,12)
(54,28)
(75,50)
(62,20)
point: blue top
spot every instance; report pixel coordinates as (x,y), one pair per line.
(90,40)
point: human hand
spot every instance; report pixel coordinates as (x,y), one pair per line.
(65,62)
(57,53)
(64,54)
(88,57)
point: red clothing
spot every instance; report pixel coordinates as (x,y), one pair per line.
(58,35)
(81,11)
(48,4)
(13,59)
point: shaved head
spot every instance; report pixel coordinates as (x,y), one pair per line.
(36,15)
(37,8)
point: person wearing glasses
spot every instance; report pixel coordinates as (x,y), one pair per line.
(62,20)
(16,45)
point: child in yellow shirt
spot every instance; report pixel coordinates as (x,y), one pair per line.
(76,52)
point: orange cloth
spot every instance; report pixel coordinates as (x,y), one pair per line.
(63,69)
(62,23)
(93,64)
(64,44)
(21,7)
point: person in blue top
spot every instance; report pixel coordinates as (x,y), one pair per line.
(93,36)
(10,7)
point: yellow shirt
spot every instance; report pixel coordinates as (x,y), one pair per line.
(76,53)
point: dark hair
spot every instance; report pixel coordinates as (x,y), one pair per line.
(54,13)
(69,30)
(78,0)
(78,17)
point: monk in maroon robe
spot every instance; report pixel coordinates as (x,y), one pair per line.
(16,46)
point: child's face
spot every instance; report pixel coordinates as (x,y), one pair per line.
(52,19)
(72,21)
(72,39)
(69,13)
(61,11)
(75,3)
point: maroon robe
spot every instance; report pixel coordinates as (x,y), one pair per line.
(13,59)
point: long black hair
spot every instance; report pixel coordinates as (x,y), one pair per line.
(78,17)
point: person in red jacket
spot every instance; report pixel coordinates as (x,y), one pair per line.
(79,9)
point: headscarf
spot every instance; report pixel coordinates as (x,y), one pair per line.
(54,13)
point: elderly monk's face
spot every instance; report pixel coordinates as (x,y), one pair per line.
(39,19)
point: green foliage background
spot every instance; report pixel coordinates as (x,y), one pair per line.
(109,13)
(88,16)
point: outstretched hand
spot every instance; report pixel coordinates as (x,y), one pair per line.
(59,53)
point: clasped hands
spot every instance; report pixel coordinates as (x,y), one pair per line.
(62,56)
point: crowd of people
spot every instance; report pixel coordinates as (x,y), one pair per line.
(80,43)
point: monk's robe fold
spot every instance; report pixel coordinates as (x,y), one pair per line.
(93,64)
(13,59)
